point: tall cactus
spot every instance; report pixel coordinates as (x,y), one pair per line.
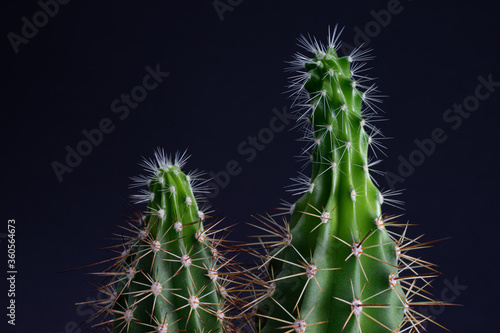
(170,272)
(335,266)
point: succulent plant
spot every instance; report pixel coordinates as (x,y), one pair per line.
(171,271)
(339,264)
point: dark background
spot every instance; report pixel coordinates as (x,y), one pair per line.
(225,78)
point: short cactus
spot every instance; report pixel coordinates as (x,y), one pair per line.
(168,274)
(338,266)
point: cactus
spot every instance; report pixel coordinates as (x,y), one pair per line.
(338,265)
(171,272)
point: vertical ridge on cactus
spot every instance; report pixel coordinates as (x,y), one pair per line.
(338,265)
(171,271)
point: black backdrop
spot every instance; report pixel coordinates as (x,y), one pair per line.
(225,77)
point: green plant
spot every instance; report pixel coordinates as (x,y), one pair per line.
(171,272)
(338,265)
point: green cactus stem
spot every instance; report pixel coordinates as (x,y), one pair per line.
(336,267)
(171,273)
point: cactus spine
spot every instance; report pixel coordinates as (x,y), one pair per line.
(335,266)
(168,277)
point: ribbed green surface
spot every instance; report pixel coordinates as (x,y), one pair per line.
(169,285)
(333,223)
